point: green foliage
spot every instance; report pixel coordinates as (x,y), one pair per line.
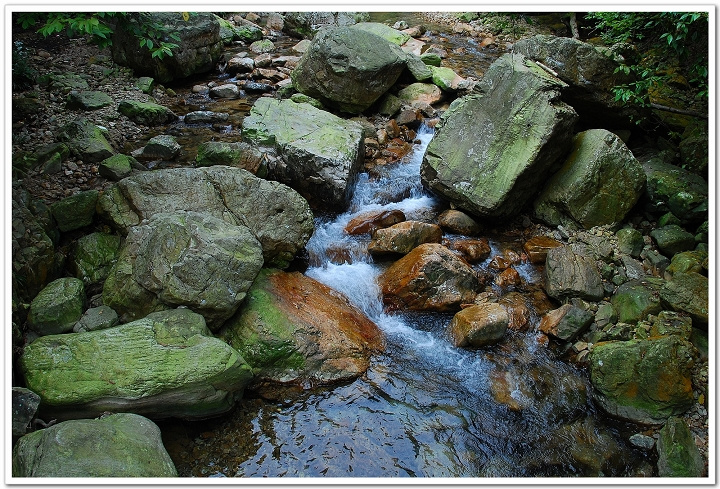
(100,26)
(684,33)
(23,75)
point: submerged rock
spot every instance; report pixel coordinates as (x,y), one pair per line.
(493,167)
(320,153)
(278,217)
(430,277)
(644,381)
(597,185)
(166,364)
(119,445)
(294,330)
(184,259)
(348,68)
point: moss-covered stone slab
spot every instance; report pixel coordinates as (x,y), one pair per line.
(635,300)
(493,150)
(57,307)
(678,456)
(86,141)
(76,211)
(117,167)
(146,113)
(294,330)
(322,152)
(93,256)
(645,381)
(688,293)
(88,100)
(672,239)
(119,445)
(598,184)
(386,32)
(670,187)
(166,364)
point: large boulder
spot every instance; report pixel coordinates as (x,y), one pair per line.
(597,185)
(570,272)
(184,259)
(307,24)
(278,217)
(493,150)
(479,325)
(430,277)
(645,381)
(94,255)
(320,153)
(199,47)
(119,445)
(57,307)
(166,364)
(348,68)
(294,330)
(385,31)
(672,188)
(678,456)
(688,293)
(591,73)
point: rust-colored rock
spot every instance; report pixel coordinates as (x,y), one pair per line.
(538,246)
(499,263)
(479,325)
(401,238)
(368,222)
(430,277)
(473,250)
(508,278)
(517,309)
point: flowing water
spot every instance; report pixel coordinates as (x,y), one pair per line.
(424,408)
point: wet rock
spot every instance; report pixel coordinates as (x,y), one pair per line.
(278,216)
(88,100)
(238,155)
(636,299)
(93,255)
(117,167)
(86,141)
(642,441)
(431,58)
(630,241)
(472,250)
(96,318)
(146,113)
(430,277)
(348,68)
(458,222)
(598,183)
(294,330)
(162,147)
(644,381)
(518,310)
(403,237)
(205,117)
(166,364)
(688,293)
(479,325)
(508,278)
(320,153)
(445,78)
(57,307)
(25,405)
(307,24)
(252,86)
(572,274)
(184,259)
(483,168)
(566,323)
(368,222)
(672,239)
(199,48)
(670,187)
(228,90)
(76,211)
(119,445)
(678,456)
(247,31)
(537,248)
(590,72)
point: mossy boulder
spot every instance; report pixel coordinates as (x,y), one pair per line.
(146,113)
(635,300)
(166,364)
(76,211)
(386,32)
(598,184)
(294,330)
(645,381)
(672,188)
(492,151)
(672,239)
(118,445)
(445,78)
(238,155)
(678,456)
(117,167)
(88,100)
(321,152)
(57,307)
(689,261)
(688,293)
(630,241)
(86,141)
(348,69)
(93,256)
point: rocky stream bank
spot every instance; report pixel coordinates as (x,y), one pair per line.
(175,226)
